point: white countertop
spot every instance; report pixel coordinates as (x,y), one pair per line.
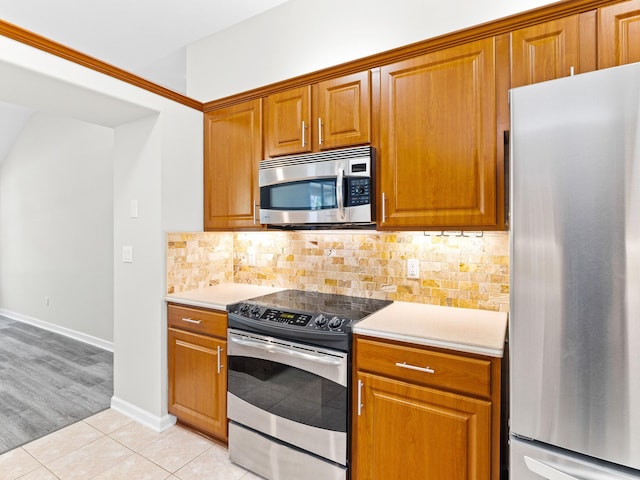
(219,296)
(462,329)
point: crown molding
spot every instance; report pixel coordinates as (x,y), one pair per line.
(494,28)
(41,43)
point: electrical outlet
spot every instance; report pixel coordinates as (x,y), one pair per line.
(251,256)
(413,268)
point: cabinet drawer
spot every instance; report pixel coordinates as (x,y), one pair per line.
(426,367)
(197,320)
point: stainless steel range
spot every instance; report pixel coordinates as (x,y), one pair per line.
(288,383)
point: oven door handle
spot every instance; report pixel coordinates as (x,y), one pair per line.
(323,359)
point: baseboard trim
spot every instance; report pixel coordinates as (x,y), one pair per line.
(154,422)
(67,332)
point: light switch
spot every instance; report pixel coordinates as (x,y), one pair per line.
(127,254)
(133,209)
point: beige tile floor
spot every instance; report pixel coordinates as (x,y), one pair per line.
(111,446)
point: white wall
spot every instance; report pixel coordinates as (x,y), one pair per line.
(302,36)
(56,225)
(157,160)
(139,289)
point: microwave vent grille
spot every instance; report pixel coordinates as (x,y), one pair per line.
(343,154)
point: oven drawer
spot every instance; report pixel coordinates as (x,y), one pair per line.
(276,460)
(197,320)
(427,367)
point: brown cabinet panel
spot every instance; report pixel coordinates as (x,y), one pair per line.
(619,34)
(344,111)
(197,386)
(438,139)
(288,122)
(330,114)
(412,432)
(548,51)
(207,322)
(440,370)
(232,152)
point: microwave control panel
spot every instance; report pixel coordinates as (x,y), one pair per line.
(359,191)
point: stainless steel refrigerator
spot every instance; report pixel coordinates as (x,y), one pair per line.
(574,337)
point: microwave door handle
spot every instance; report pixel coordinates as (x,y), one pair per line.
(340,193)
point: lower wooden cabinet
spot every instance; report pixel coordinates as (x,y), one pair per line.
(197,369)
(422,423)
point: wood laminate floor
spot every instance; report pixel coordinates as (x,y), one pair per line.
(47,382)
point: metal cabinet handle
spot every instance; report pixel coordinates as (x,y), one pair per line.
(255,206)
(220,366)
(320,125)
(360,405)
(384,209)
(191,320)
(304,136)
(414,367)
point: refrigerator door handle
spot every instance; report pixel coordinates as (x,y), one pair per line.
(546,471)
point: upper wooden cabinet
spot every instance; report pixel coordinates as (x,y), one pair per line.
(438,131)
(330,114)
(232,152)
(288,119)
(437,119)
(619,34)
(343,111)
(553,49)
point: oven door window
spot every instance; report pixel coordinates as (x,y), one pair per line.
(289,392)
(316,194)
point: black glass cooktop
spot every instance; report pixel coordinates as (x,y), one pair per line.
(317,318)
(312,303)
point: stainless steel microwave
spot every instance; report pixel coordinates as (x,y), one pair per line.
(327,189)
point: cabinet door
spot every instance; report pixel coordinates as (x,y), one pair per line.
(288,119)
(416,433)
(198,381)
(553,49)
(619,34)
(438,140)
(233,150)
(344,111)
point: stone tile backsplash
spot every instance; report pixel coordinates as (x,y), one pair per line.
(197,260)
(468,272)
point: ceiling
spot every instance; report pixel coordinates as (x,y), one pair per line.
(144,37)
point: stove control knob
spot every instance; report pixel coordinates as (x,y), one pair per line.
(321,320)
(335,322)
